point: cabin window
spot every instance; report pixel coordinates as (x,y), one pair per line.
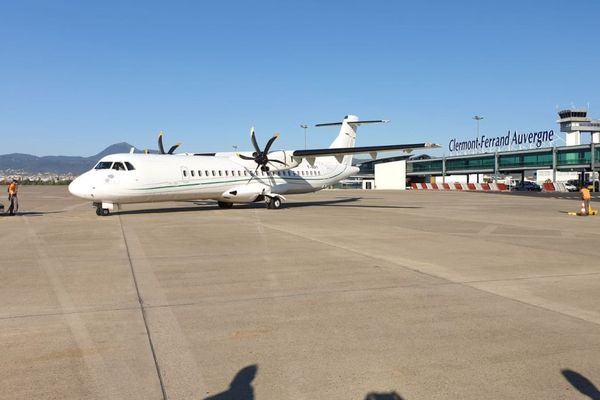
(129,166)
(206,173)
(199,173)
(213,173)
(184,173)
(245,173)
(226,173)
(103,165)
(239,173)
(118,166)
(192,172)
(220,173)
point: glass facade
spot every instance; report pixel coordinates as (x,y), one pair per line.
(525,160)
(424,166)
(565,157)
(467,164)
(573,157)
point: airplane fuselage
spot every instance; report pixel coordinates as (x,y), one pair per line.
(155,177)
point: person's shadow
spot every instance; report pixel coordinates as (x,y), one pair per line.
(383,396)
(581,383)
(240,387)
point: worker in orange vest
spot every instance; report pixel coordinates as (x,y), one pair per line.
(12,198)
(585,198)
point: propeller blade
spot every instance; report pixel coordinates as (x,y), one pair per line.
(277,161)
(173,148)
(161,148)
(254,142)
(243,157)
(270,143)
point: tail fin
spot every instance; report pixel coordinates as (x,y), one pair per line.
(347,135)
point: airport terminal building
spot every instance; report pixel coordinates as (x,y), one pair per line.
(531,155)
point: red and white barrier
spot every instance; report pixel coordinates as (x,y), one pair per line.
(467,187)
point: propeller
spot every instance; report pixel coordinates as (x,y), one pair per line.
(261,157)
(161,148)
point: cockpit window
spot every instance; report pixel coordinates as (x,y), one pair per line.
(118,166)
(129,166)
(103,165)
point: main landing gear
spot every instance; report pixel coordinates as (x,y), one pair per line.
(273,203)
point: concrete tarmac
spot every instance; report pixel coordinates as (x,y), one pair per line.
(340,295)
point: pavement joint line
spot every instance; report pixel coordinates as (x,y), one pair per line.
(353,250)
(304,294)
(56,314)
(95,364)
(524,278)
(180,372)
(143,312)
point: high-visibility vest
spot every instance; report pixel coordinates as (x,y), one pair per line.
(585,194)
(12,188)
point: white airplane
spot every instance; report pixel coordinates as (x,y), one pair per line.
(228,177)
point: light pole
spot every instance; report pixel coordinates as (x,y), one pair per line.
(477,118)
(305,127)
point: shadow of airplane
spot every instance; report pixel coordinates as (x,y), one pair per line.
(581,383)
(29,213)
(211,206)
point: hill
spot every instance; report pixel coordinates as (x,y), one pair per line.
(62,165)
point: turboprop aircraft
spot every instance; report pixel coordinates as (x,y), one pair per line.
(228,177)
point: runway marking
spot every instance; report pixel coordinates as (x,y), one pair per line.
(108,382)
(532,301)
(181,379)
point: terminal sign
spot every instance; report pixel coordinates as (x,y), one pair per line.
(510,139)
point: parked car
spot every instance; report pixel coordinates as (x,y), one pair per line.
(571,187)
(527,186)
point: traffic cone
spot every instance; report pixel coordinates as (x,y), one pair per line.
(583,210)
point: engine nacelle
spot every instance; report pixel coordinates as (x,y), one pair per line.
(284,156)
(245,193)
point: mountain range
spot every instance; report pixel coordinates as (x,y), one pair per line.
(65,165)
(61,165)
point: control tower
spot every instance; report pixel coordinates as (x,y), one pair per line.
(575,121)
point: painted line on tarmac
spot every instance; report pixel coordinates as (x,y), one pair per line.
(178,372)
(110,383)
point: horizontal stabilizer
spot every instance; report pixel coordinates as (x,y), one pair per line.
(374,121)
(364,149)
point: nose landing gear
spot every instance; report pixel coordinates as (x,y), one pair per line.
(102,209)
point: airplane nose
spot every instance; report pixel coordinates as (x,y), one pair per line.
(78,188)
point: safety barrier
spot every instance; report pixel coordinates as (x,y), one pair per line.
(549,187)
(455,186)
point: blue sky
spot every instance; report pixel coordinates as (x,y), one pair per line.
(77,76)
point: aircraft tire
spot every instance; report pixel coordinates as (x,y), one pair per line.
(275,203)
(98,211)
(105,212)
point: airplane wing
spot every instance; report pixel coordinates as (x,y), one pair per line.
(372,150)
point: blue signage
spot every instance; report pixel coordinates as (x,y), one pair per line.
(514,139)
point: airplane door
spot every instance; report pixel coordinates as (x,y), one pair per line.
(185,174)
